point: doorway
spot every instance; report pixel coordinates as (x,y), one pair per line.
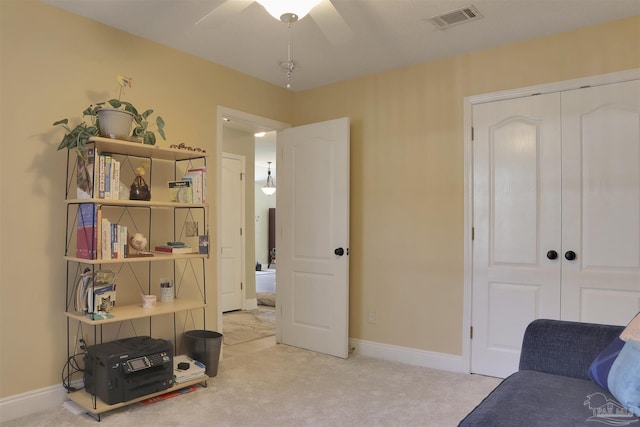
(245,328)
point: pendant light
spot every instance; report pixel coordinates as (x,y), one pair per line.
(270,187)
(289,11)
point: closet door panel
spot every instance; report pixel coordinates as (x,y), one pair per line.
(601,203)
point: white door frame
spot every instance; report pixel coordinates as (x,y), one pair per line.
(468,175)
(242,121)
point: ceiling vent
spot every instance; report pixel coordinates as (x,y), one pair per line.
(455,17)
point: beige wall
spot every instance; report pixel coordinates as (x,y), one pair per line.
(54,64)
(407,172)
(407,164)
(243,143)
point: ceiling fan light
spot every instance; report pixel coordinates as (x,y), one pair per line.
(279,8)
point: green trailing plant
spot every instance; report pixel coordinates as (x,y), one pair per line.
(78,136)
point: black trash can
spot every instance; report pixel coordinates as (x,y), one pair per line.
(204,346)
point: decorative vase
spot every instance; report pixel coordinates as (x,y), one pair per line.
(139,189)
(115,123)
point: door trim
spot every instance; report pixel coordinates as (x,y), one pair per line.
(468,104)
(242,121)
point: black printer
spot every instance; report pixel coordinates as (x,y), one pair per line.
(128,368)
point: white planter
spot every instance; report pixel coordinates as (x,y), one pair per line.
(115,123)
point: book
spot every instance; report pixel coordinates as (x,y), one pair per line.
(201,173)
(203,244)
(86,232)
(106,239)
(101,184)
(115,179)
(107,177)
(84,176)
(180,191)
(196,184)
(174,249)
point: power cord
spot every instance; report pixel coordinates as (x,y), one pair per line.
(72,367)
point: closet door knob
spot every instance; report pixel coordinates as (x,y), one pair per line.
(570,255)
(339,252)
(552,254)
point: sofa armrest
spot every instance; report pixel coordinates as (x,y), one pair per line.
(564,348)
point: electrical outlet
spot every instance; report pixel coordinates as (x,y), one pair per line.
(371,318)
(191,229)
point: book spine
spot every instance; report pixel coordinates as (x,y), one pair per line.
(85,232)
(107,177)
(101,184)
(114,241)
(115,180)
(202,173)
(106,239)
(124,246)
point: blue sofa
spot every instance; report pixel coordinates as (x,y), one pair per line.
(552,387)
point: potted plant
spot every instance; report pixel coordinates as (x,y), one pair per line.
(78,136)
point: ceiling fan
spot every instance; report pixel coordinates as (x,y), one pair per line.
(325,15)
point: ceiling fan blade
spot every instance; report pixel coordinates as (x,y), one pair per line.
(223,13)
(331,23)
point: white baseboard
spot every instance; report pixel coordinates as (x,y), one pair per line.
(410,356)
(30,402)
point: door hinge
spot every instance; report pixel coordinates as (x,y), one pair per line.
(241,231)
(472,133)
(473,233)
(471,332)
(241,285)
(241,176)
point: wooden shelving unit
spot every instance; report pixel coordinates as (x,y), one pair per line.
(127,311)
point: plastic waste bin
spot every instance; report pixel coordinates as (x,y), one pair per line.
(204,346)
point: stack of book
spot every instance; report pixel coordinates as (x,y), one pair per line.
(108,184)
(174,248)
(187,369)
(197,178)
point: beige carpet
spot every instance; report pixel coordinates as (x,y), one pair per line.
(285,386)
(247,325)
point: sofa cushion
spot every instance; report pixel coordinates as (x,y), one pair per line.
(601,365)
(624,378)
(531,399)
(564,348)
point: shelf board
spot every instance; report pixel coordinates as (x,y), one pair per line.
(85,399)
(107,145)
(135,311)
(157,256)
(136,203)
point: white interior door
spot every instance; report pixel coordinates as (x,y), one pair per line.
(232,232)
(601,203)
(313,237)
(516,151)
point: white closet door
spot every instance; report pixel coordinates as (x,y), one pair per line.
(601,203)
(517,210)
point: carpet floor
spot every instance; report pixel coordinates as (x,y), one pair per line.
(287,386)
(248,325)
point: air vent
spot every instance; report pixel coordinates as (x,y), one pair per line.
(455,17)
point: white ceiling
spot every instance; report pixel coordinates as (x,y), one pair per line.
(385,34)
